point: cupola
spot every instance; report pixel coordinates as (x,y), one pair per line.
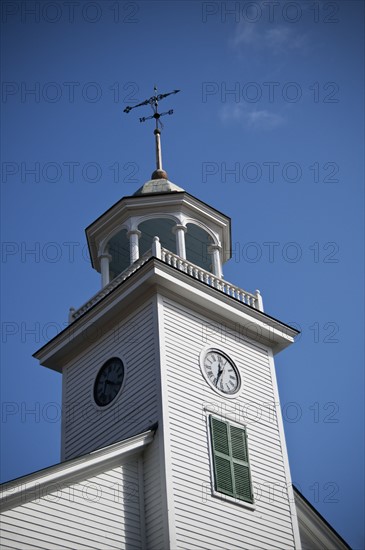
(185,226)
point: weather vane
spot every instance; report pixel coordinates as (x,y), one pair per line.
(153,101)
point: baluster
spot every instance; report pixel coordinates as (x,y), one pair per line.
(259,303)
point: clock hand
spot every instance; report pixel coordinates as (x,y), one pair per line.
(220,371)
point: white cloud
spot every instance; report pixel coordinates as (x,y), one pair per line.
(255,119)
(246,33)
(276,39)
(264,119)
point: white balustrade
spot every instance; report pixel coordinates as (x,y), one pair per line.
(253,300)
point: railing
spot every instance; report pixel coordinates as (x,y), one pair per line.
(75,314)
(169,258)
(210,279)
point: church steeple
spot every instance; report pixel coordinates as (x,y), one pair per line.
(181,352)
(171,415)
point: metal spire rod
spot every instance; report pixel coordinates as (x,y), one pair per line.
(153,101)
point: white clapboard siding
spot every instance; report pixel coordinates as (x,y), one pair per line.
(102,511)
(87,427)
(202,520)
(154,516)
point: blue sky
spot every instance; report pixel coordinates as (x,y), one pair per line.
(268,128)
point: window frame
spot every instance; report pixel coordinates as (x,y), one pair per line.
(226,495)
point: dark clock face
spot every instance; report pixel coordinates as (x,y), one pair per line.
(108,381)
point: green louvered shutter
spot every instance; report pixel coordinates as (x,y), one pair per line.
(242,482)
(241,469)
(230,459)
(223,475)
(238,443)
(222,462)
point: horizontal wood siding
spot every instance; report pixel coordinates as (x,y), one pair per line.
(202,520)
(88,427)
(101,512)
(154,520)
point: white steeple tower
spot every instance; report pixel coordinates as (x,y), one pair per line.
(168,341)
(170,402)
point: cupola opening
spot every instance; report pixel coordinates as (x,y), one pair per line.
(198,246)
(157,227)
(118,248)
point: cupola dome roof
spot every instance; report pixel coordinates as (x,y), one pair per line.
(161,185)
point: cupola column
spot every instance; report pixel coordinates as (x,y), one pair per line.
(180,231)
(105,260)
(133,237)
(215,249)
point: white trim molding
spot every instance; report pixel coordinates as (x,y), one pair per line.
(316,533)
(28,487)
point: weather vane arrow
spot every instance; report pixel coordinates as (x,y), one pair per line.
(153,101)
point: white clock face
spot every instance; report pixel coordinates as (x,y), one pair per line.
(221,372)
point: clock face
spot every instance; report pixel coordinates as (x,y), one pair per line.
(108,381)
(221,372)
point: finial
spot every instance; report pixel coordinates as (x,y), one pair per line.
(159,173)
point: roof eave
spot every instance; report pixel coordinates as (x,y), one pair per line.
(157,274)
(28,487)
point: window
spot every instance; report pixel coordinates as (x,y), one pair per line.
(230,460)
